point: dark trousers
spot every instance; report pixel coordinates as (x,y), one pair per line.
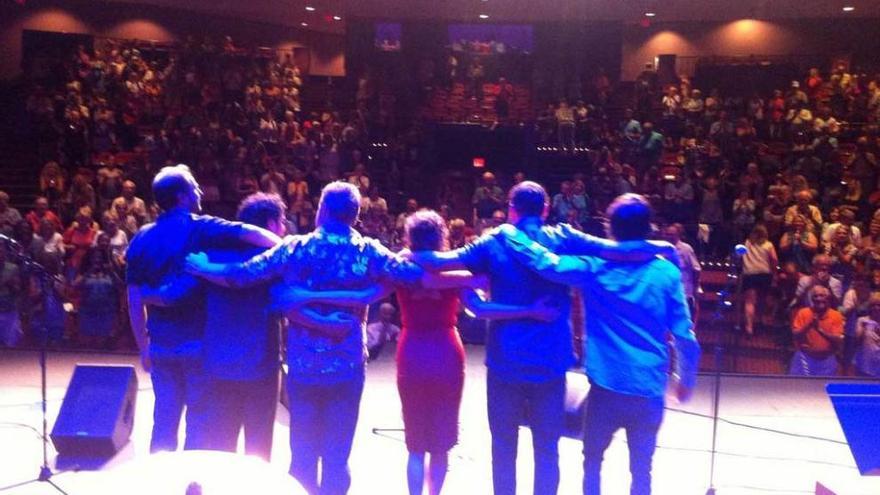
(233,405)
(178,383)
(323,418)
(542,406)
(640,417)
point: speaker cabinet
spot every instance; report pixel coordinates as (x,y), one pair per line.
(97,414)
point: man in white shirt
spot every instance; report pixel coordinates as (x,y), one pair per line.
(688,263)
(382,331)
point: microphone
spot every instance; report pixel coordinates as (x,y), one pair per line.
(739,251)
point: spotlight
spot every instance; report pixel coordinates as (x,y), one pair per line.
(848,8)
(484,16)
(310,8)
(650,14)
(304,24)
(337,18)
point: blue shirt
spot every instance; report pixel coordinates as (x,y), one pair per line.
(158,251)
(340,259)
(241,337)
(631,310)
(524,349)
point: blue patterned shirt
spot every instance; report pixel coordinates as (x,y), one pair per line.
(326,260)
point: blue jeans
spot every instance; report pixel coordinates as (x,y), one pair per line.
(606,412)
(178,382)
(542,406)
(323,418)
(233,405)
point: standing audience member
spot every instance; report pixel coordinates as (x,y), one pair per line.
(10,289)
(818,334)
(687,263)
(487,199)
(9,216)
(41,210)
(97,289)
(758,266)
(867,340)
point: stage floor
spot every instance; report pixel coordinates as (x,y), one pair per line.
(777,435)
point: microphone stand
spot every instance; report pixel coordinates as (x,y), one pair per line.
(30,267)
(722,305)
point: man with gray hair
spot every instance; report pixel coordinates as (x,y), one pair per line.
(325,366)
(817,331)
(9,216)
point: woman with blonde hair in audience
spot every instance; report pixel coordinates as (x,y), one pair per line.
(799,244)
(758,267)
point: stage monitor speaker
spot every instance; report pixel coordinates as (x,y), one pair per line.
(858,406)
(97,414)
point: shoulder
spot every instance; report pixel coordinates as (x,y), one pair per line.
(663,270)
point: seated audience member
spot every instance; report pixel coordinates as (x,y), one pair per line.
(867,341)
(382,331)
(10,288)
(817,331)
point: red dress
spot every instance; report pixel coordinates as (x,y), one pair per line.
(430,368)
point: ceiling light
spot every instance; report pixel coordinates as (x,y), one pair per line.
(484,16)
(304,24)
(337,18)
(310,8)
(848,8)
(650,14)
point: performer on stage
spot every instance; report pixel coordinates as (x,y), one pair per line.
(169,338)
(527,359)
(326,366)
(632,310)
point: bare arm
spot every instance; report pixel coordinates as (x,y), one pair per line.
(335,325)
(482,308)
(286,298)
(137,315)
(438,261)
(258,236)
(261,268)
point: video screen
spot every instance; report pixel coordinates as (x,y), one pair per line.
(492,38)
(388,36)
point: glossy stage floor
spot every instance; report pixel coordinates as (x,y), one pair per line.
(777,435)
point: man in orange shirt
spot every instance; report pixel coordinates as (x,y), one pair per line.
(818,334)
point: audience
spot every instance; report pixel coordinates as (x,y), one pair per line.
(793,171)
